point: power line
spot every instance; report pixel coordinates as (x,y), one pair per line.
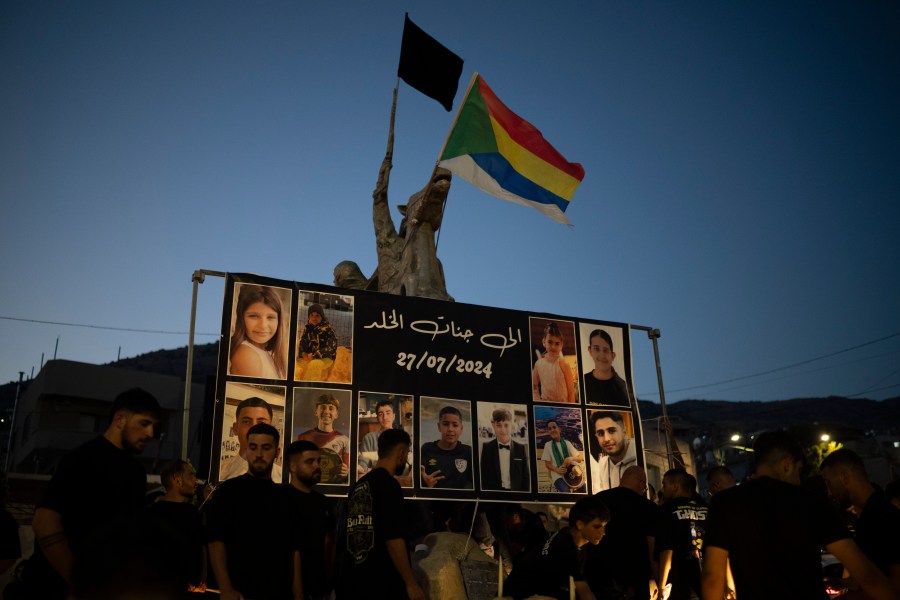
(872,387)
(776,370)
(881,389)
(105,327)
(807,372)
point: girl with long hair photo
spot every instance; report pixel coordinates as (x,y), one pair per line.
(259,341)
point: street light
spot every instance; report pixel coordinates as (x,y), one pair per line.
(825,437)
(736,437)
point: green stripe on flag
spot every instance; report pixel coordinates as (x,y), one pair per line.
(473,133)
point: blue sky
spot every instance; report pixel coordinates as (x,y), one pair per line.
(741,189)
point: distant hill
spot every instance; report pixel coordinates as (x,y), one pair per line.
(174,362)
(164,362)
(881,416)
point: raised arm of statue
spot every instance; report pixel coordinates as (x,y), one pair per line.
(381,211)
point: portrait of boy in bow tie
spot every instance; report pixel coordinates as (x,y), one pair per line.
(504,461)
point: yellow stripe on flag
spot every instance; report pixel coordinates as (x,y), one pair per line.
(534,168)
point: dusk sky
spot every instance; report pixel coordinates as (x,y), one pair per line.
(742,187)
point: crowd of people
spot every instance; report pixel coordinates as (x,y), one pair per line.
(256,539)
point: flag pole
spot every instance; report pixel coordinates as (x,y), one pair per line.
(393,114)
(444,147)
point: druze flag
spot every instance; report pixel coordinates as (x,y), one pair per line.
(502,154)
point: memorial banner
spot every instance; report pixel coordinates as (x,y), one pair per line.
(501,405)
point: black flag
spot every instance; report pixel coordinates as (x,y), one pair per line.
(428,66)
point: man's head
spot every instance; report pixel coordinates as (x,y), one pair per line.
(501,421)
(181,477)
(554,430)
(450,426)
(249,412)
(719,479)
(384,411)
(677,483)
(609,431)
(589,517)
(514,517)
(845,475)
(327,411)
(393,449)
(601,350)
(303,460)
(133,416)
(635,479)
(262,449)
(778,455)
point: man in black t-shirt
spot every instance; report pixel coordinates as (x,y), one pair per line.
(254,540)
(181,520)
(620,565)
(878,525)
(546,571)
(377,564)
(316,517)
(76,507)
(679,535)
(772,531)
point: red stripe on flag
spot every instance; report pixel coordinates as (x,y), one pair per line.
(525,133)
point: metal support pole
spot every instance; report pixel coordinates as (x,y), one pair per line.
(12,423)
(654,334)
(197,278)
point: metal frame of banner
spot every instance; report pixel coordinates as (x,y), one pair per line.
(654,335)
(199,277)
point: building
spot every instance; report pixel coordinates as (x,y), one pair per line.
(68,403)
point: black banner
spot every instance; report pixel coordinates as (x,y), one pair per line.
(501,404)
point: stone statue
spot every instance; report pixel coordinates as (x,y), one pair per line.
(407,260)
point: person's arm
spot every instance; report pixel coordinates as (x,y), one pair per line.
(50,535)
(397,551)
(654,567)
(570,381)
(204,565)
(535,381)
(329,557)
(431,480)
(218,558)
(583,591)
(729,581)
(665,565)
(576,455)
(715,560)
(894,577)
(328,348)
(296,576)
(868,576)
(6,563)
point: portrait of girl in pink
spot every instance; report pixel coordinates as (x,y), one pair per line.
(259,340)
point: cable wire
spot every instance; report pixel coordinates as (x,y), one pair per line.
(784,368)
(105,327)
